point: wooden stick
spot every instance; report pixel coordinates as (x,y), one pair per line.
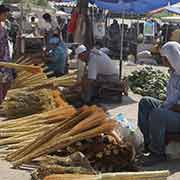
(29,68)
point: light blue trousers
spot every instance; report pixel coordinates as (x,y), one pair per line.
(155,122)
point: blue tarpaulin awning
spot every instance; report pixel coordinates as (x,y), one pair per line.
(133,6)
(175,10)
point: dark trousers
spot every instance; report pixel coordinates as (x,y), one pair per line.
(155,122)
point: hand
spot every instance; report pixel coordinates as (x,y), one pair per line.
(176,108)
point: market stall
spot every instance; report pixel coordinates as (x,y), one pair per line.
(45,134)
(128,7)
(49,137)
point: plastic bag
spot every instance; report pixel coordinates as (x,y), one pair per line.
(129,131)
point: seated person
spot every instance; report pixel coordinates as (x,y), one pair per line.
(57,56)
(155,118)
(100,68)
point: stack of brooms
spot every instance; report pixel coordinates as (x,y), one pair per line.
(29,79)
(75,163)
(32,91)
(29,138)
(87,123)
(30,75)
(60,130)
(24,103)
(99,156)
(104,153)
(19,132)
(19,102)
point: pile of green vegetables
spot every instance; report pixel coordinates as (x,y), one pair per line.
(149,82)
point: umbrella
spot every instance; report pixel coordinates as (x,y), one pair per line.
(174,9)
(62,13)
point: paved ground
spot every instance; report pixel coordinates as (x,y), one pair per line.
(129,108)
(7,173)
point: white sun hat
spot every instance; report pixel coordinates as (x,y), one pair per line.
(81,49)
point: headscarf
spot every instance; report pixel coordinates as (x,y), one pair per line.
(171,50)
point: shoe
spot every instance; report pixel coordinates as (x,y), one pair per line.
(143,150)
(146,149)
(151,159)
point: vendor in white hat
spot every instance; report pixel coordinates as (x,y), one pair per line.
(99,68)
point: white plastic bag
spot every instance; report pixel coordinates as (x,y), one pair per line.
(129,131)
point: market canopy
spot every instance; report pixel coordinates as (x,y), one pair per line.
(133,6)
(174,9)
(171,19)
(130,6)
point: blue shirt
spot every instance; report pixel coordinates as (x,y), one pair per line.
(59,58)
(173,91)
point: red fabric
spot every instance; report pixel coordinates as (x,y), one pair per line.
(73,22)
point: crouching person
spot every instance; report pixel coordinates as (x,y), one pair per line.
(155,118)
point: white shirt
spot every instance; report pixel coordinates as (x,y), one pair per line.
(81,69)
(100,64)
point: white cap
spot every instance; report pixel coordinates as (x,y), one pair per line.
(81,49)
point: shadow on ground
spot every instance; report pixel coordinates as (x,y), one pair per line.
(126,100)
(172,165)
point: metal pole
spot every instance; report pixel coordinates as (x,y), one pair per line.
(22,16)
(138,29)
(22,40)
(121,49)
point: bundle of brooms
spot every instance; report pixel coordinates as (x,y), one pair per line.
(75,163)
(95,154)
(24,103)
(28,79)
(106,154)
(89,122)
(18,132)
(20,67)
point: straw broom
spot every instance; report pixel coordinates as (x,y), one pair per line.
(72,177)
(29,68)
(36,118)
(105,128)
(20,125)
(32,125)
(51,133)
